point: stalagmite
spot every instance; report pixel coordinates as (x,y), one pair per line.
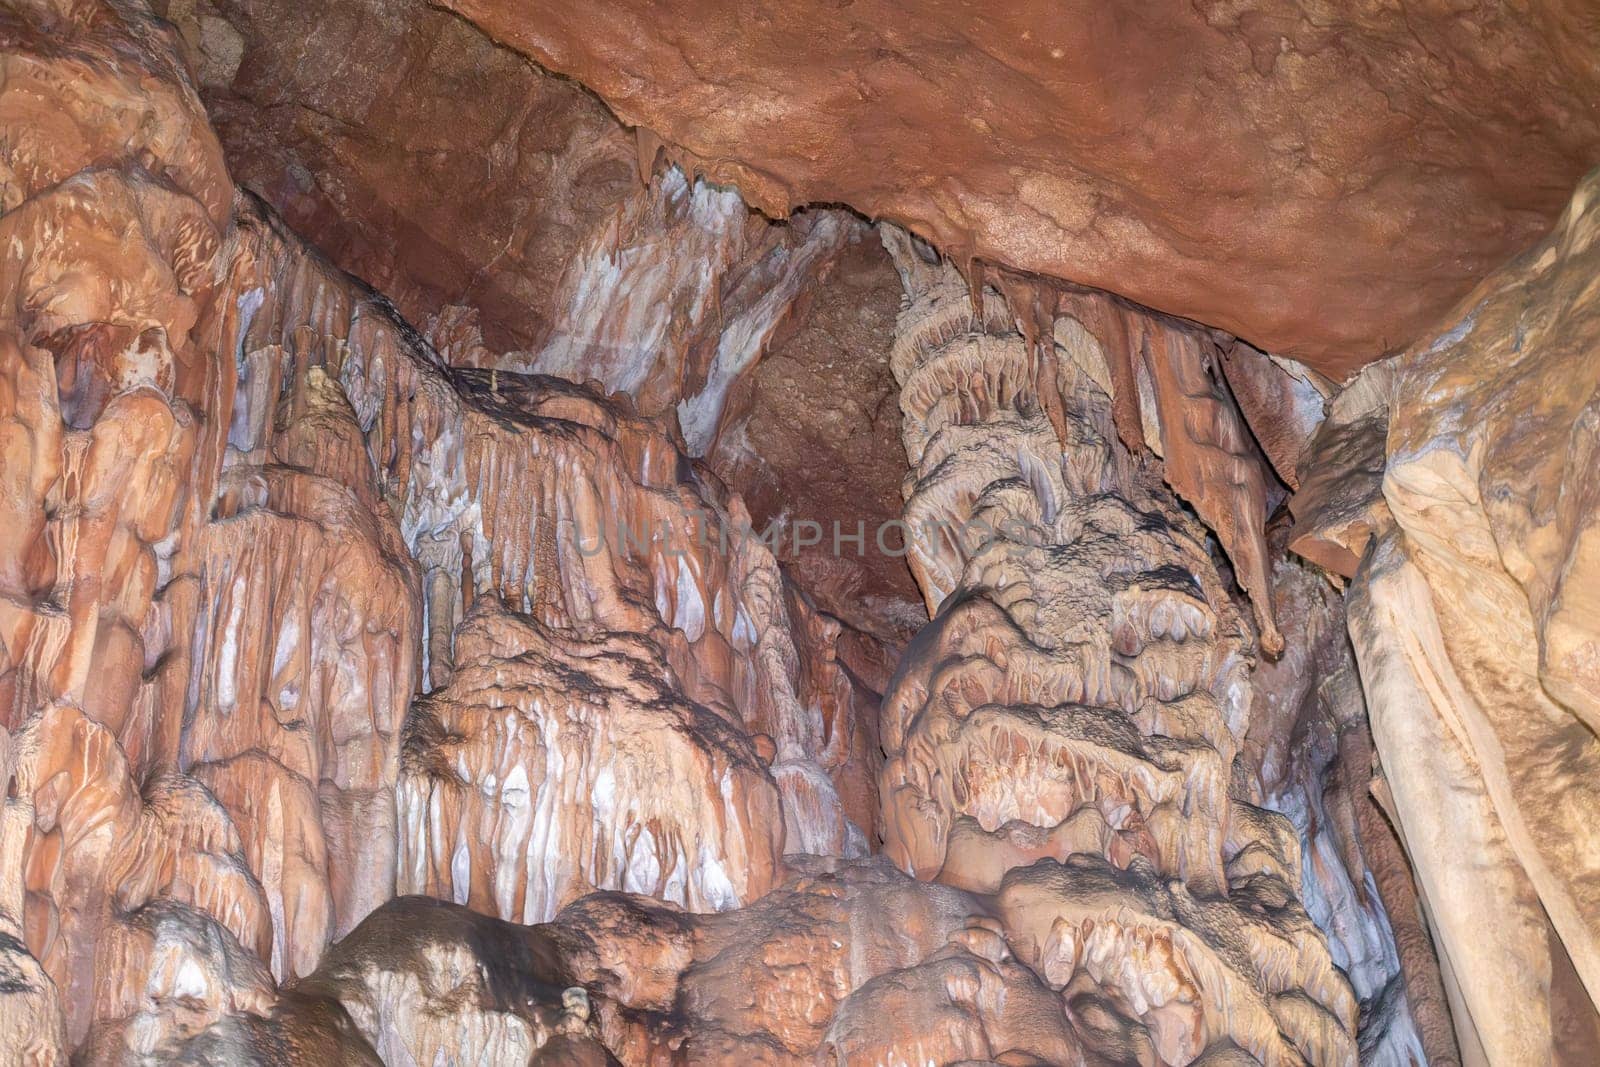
(1080,697)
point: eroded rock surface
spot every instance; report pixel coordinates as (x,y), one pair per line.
(582,267)
(808,974)
(1065,731)
(364,148)
(812,435)
(1311,748)
(550,767)
(246,507)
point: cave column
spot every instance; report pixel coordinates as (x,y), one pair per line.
(1078,696)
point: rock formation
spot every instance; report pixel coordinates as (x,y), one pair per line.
(368,153)
(463,674)
(581,271)
(230,567)
(1459,476)
(807,974)
(526,783)
(1064,732)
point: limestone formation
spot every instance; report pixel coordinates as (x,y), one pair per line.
(1309,744)
(369,153)
(1474,618)
(1080,697)
(528,782)
(1321,179)
(806,975)
(464,669)
(31,1025)
(230,566)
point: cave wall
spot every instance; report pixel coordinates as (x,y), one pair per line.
(248,508)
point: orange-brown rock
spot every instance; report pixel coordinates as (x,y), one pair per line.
(554,765)
(64,62)
(308,631)
(1250,970)
(633,316)
(1321,180)
(301,611)
(115,194)
(104,845)
(1338,506)
(1282,403)
(813,435)
(246,507)
(580,269)
(388,173)
(1209,456)
(31,1024)
(289,127)
(572,511)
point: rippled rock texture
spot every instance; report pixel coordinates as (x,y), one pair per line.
(246,508)
(808,974)
(1064,733)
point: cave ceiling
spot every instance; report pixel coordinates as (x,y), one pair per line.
(1323,179)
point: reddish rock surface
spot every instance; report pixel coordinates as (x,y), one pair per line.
(813,435)
(808,974)
(1322,180)
(580,267)
(245,508)
(383,130)
(576,276)
(623,311)
(1065,731)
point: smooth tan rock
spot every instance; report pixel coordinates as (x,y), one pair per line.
(1476,638)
